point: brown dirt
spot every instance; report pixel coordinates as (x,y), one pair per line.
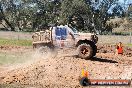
(63,70)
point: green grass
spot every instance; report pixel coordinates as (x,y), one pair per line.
(14,42)
(129,45)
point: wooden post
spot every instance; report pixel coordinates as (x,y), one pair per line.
(130,37)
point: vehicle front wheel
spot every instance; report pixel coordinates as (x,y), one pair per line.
(85,51)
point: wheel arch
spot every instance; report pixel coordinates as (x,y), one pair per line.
(84,41)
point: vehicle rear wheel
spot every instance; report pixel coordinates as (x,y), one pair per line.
(85,51)
(43,50)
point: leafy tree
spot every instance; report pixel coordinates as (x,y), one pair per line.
(84,15)
(94,16)
(128,25)
(129,13)
(3,15)
(77,9)
(101,15)
(47,13)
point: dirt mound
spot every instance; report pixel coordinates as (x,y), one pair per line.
(46,71)
(64,69)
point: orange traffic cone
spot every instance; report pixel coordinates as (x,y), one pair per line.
(84,80)
(84,73)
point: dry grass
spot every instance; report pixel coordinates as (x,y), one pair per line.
(15,42)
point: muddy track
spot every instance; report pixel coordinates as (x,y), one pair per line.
(64,69)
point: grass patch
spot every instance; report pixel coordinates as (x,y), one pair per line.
(129,45)
(14,57)
(15,42)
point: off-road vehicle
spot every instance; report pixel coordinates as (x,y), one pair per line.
(85,43)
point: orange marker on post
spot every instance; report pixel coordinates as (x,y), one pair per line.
(84,73)
(84,81)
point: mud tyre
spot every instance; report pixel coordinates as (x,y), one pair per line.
(42,52)
(94,47)
(85,51)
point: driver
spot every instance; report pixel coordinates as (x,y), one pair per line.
(69,30)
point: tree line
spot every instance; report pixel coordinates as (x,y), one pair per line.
(84,15)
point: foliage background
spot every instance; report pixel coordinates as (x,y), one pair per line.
(84,15)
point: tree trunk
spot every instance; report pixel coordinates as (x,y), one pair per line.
(7,22)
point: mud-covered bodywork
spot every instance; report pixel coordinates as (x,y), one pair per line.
(85,42)
(87,36)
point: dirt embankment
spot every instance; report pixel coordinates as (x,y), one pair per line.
(63,70)
(127,51)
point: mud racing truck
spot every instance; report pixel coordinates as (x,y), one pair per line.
(85,43)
